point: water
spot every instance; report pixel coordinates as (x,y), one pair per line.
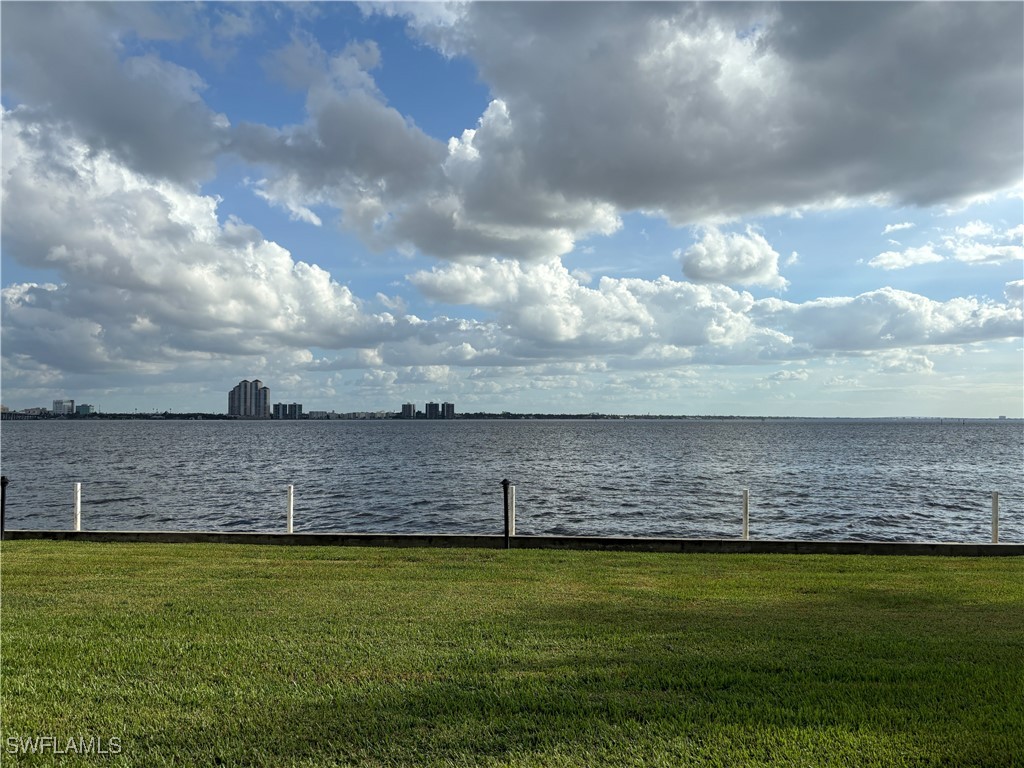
(812,480)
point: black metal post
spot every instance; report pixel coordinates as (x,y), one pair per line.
(504,485)
(3,505)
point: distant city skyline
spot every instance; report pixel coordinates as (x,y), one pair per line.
(251,399)
(807,209)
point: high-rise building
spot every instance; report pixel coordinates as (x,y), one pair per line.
(284,411)
(447,410)
(249,399)
(63,407)
(409,411)
(433,411)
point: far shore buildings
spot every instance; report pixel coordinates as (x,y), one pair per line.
(249,399)
(59,409)
(63,407)
(287,411)
(431,411)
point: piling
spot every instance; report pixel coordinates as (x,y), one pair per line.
(291,507)
(78,506)
(510,511)
(746,514)
(3,505)
(995,517)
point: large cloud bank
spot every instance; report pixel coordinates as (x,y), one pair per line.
(698,114)
(693,112)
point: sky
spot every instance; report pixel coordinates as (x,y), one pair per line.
(792,209)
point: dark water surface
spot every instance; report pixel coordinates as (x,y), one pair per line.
(808,479)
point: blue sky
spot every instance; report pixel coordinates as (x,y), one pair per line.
(765,209)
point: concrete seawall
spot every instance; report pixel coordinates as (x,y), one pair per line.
(622,544)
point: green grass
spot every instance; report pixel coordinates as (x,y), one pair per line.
(281,656)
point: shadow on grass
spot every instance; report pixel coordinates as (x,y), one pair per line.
(601,682)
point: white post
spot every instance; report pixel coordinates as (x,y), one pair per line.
(512,510)
(78,506)
(746,514)
(291,506)
(995,517)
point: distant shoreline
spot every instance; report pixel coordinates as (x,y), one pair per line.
(505,416)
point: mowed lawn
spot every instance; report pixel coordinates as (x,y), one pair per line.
(279,656)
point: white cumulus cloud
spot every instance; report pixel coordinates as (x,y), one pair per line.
(897,227)
(909,257)
(979,242)
(903,361)
(693,112)
(733,258)
(887,319)
(146,111)
(703,111)
(152,276)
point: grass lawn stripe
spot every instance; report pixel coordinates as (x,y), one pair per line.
(298,656)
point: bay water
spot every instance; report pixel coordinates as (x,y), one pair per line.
(826,480)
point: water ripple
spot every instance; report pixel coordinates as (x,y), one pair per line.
(818,480)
